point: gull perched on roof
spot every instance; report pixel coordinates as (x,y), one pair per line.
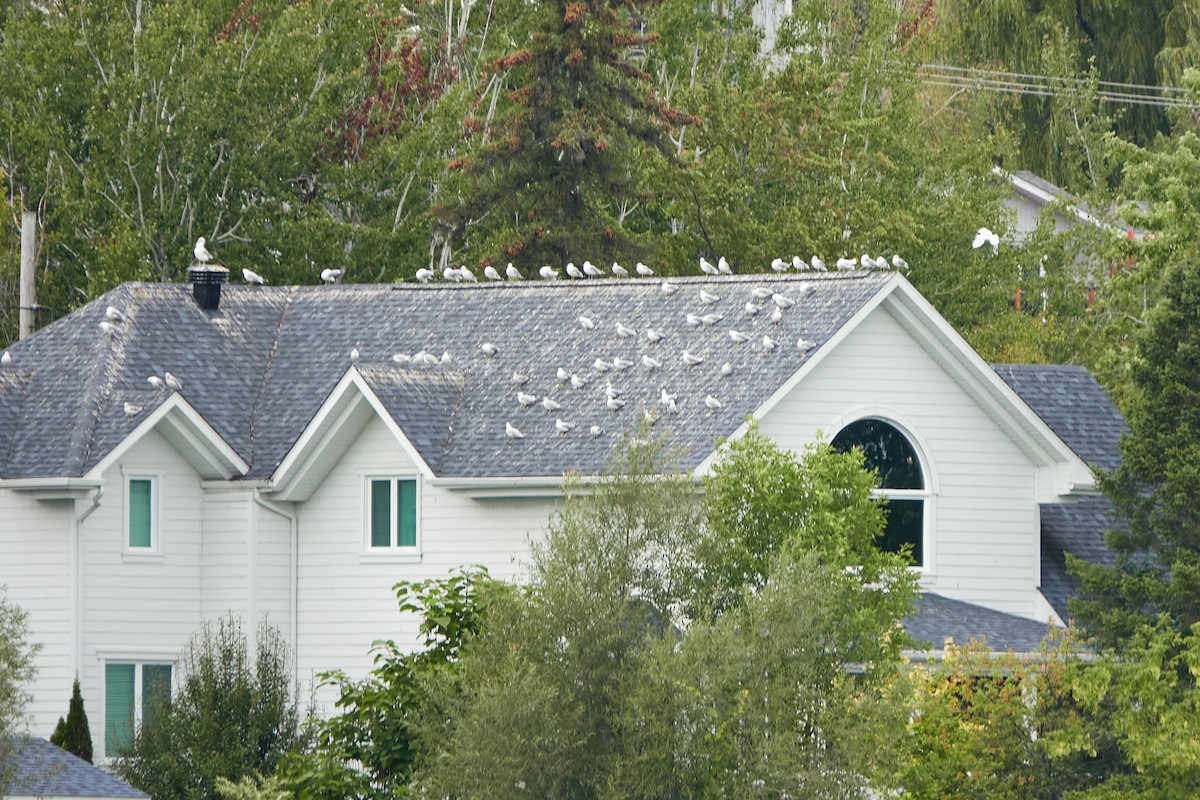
(723,266)
(799,264)
(573,271)
(466,274)
(727,369)
(614,403)
(586,323)
(131,410)
(548,273)
(624,331)
(690,359)
(520,379)
(526,399)
(668,288)
(898,262)
(752,309)
(655,336)
(108,327)
(768,343)
(779,265)
(331,275)
(513,273)
(591,270)
(200,251)
(424,275)
(562,426)
(712,402)
(154,381)
(512,432)
(804,345)
(595,431)
(707,267)
(643,270)
(401,358)
(818,264)
(618,271)
(113,313)
(712,319)
(652,363)
(551,405)
(491,274)
(6,359)
(252,277)
(353,355)
(846,263)
(783,301)
(737,336)
(708,298)
(600,365)
(621,363)
(489,349)
(761,292)
(172,382)
(578,381)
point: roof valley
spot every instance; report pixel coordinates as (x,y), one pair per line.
(268,369)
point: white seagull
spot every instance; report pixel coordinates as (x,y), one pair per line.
(776,315)
(614,403)
(156,382)
(898,262)
(596,430)
(520,379)
(513,273)
(114,313)
(619,271)
(466,274)
(172,382)
(768,343)
(201,252)
(331,275)
(573,271)
(489,349)
(708,298)
(690,359)
(712,402)
(761,292)
(491,274)
(586,323)
(707,267)
(738,337)
(578,381)
(779,265)
(591,270)
(451,274)
(655,336)
(668,288)
(846,263)
(600,365)
(643,270)
(131,410)
(712,319)
(693,320)
(652,363)
(446,358)
(424,275)
(550,405)
(804,345)
(611,391)
(108,327)
(727,369)
(562,426)
(723,266)
(752,309)
(250,276)
(621,363)
(512,432)
(526,399)
(562,375)
(353,355)
(624,331)
(818,264)
(401,358)
(548,273)
(6,359)
(783,301)
(799,264)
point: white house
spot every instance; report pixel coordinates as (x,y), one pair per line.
(304,466)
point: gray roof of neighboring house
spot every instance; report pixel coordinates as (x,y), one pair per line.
(937,618)
(1074,405)
(259,368)
(42,769)
(1077,528)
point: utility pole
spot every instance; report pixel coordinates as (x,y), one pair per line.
(28,298)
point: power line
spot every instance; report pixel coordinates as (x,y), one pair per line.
(1053,86)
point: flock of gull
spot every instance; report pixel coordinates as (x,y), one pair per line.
(762,304)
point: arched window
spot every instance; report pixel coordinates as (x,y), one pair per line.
(901,480)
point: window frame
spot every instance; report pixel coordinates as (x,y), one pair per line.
(153,553)
(393,552)
(139,664)
(926,570)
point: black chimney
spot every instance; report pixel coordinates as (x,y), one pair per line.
(206,284)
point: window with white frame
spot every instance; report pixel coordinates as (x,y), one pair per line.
(901,481)
(141,513)
(134,691)
(391,513)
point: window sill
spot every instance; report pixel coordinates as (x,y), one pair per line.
(412,556)
(130,557)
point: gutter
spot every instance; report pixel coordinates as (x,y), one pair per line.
(77,579)
(294,600)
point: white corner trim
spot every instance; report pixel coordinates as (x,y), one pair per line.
(185,420)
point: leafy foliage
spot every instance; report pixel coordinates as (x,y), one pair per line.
(74,734)
(369,748)
(233,714)
(16,668)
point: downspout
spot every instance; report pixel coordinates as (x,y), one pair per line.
(77,568)
(295,578)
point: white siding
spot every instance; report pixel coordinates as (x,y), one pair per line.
(134,607)
(346,597)
(985,534)
(224,557)
(274,571)
(36,566)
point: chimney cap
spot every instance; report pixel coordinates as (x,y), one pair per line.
(207,273)
(206,284)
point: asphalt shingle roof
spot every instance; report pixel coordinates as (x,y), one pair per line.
(260,367)
(1077,528)
(937,618)
(42,769)
(1074,405)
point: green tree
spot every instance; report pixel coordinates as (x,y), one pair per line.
(16,669)
(1156,488)
(565,130)
(369,748)
(631,684)
(74,734)
(233,714)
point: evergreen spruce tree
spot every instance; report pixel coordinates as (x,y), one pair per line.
(73,734)
(1156,488)
(564,134)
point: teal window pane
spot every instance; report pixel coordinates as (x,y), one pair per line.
(381,513)
(118,707)
(140,496)
(156,689)
(408,513)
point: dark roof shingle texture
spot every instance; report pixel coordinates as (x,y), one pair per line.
(42,769)
(259,368)
(1077,528)
(1070,401)
(937,618)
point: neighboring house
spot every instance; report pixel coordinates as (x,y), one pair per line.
(288,480)
(47,772)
